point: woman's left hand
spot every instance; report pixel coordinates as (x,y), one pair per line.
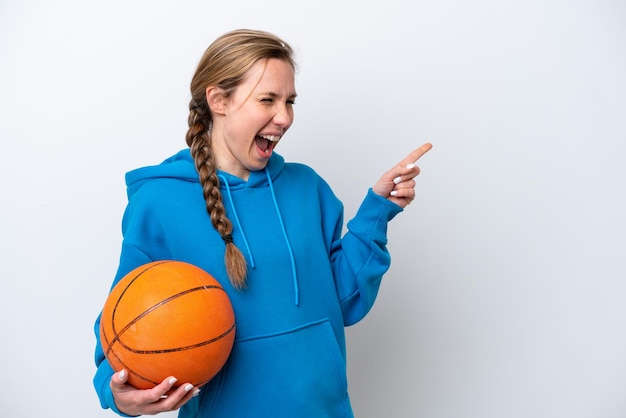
(398,184)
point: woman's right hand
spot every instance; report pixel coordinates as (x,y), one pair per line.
(161,398)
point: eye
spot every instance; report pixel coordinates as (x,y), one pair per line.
(291,102)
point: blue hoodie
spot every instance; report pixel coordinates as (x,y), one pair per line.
(305,281)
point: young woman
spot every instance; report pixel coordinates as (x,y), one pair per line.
(269,231)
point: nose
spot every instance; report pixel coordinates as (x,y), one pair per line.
(283,116)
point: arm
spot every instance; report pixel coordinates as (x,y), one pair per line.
(361,258)
(111,387)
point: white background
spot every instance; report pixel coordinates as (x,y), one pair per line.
(506,297)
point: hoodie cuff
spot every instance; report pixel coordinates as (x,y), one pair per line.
(374,213)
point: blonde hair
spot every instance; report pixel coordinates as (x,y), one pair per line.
(224,65)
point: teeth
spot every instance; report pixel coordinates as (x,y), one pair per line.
(273,138)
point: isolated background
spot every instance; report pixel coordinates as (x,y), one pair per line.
(507,293)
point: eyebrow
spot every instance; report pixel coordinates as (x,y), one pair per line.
(274,95)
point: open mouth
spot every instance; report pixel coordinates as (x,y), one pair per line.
(266,143)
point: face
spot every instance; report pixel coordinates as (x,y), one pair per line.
(248,125)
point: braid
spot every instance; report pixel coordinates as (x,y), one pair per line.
(199,143)
(225,64)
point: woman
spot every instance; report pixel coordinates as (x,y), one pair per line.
(269,231)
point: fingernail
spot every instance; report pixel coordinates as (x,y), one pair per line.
(172,380)
(393,192)
(397,180)
(123,374)
(188,387)
(410,166)
(195,393)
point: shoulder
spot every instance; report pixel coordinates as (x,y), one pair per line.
(302,172)
(295,167)
(306,183)
(305,175)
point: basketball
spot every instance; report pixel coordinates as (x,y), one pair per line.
(167,318)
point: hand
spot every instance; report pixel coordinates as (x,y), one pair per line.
(161,398)
(398,184)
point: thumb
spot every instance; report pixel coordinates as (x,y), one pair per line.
(120,378)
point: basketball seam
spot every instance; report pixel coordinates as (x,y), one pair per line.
(118,335)
(115,334)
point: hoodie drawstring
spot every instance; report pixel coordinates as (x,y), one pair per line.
(282,225)
(232,206)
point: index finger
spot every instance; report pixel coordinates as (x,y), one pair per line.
(418,153)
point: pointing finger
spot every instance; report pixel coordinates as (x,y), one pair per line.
(417,154)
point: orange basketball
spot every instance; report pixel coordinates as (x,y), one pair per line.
(167,318)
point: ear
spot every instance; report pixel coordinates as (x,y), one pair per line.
(216,99)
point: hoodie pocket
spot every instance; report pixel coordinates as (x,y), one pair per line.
(298,372)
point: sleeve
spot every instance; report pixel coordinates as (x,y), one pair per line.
(360,258)
(130,257)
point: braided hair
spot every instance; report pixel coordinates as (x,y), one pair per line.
(224,64)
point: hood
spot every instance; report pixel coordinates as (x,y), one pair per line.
(181,166)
